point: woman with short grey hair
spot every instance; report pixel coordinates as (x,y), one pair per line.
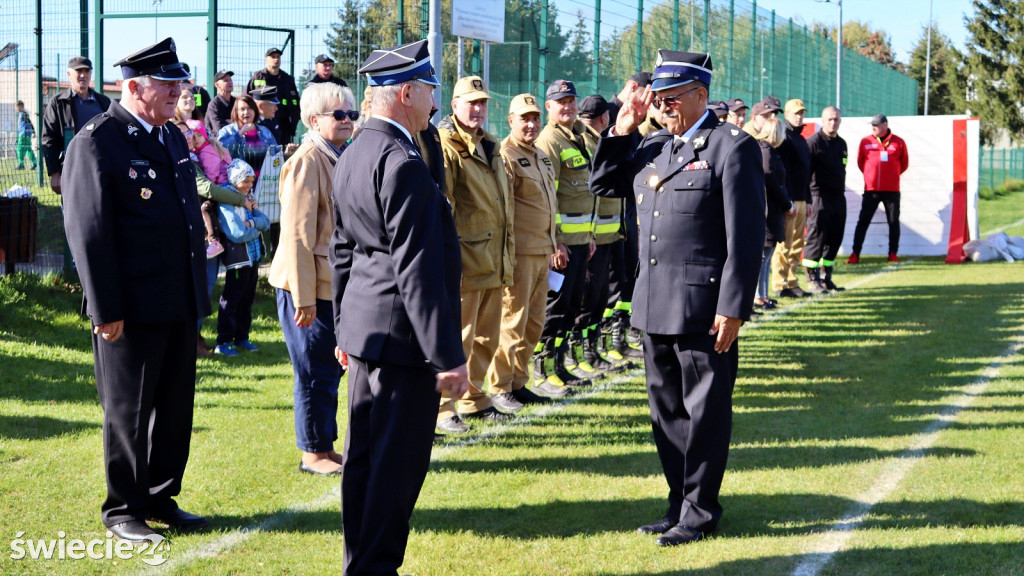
(301,273)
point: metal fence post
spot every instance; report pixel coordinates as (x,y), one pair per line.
(640,35)
(675,24)
(595,68)
(732,40)
(211,44)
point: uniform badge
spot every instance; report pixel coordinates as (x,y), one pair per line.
(91,126)
(699,142)
(653,180)
(640,198)
(524,162)
(146,193)
(735,132)
(132,129)
(152,173)
(132,173)
(412,153)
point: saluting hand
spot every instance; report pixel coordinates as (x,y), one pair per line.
(455,381)
(111,331)
(633,111)
(728,329)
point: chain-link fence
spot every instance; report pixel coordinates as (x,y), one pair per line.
(595,43)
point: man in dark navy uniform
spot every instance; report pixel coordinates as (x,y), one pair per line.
(397,266)
(133,222)
(701,203)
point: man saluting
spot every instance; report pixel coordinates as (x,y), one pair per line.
(700,201)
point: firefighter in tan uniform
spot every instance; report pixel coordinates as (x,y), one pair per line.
(533,187)
(478,189)
(563,141)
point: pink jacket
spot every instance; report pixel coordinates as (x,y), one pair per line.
(214,165)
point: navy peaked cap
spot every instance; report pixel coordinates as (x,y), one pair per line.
(678,68)
(388,66)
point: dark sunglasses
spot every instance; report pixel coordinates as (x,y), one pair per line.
(353,115)
(670,100)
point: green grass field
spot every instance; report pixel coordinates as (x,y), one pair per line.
(876,431)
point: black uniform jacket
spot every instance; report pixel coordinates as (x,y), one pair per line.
(133,222)
(702,223)
(395,255)
(60,124)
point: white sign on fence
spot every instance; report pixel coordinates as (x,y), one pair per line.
(479,19)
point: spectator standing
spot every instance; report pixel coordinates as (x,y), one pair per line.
(66,114)
(827,219)
(396,267)
(25,133)
(882,158)
(288,114)
(242,253)
(133,225)
(700,198)
(218,114)
(324,72)
(797,160)
(636,83)
(482,205)
(532,182)
(737,112)
(302,276)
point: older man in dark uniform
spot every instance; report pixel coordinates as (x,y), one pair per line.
(700,199)
(397,265)
(133,222)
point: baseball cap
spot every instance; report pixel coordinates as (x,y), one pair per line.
(560,89)
(769,104)
(470,88)
(523,104)
(718,107)
(79,62)
(642,79)
(593,106)
(323,58)
(272,51)
(879,119)
(736,104)
(222,74)
(795,105)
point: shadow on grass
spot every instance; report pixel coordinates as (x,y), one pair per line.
(39,427)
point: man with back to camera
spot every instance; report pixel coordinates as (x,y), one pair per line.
(134,226)
(700,198)
(288,113)
(882,158)
(827,220)
(66,114)
(396,268)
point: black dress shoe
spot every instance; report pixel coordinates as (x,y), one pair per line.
(507,402)
(491,414)
(680,534)
(132,531)
(453,425)
(527,396)
(180,520)
(659,527)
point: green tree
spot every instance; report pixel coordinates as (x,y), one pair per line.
(947,83)
(876,45)
(995,54)
(579,51)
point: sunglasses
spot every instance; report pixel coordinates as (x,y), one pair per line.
(339,115)
(670,100)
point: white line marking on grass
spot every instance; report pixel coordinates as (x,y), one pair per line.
(241,535)
(836,538)
(1001,228)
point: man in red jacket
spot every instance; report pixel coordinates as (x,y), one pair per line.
(881,157)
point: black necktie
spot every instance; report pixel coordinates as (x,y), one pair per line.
(155,131)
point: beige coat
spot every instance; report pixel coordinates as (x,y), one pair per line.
(533,186)
(482,204)
(307,223)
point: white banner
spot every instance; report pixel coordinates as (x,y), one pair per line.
(479,19)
